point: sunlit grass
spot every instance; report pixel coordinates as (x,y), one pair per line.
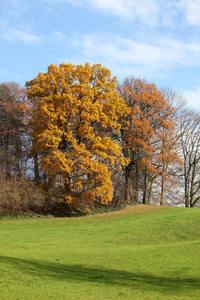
(143,252)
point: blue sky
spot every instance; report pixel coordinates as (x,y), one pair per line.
(158,40)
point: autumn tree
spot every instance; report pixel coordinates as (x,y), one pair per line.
(12,128)
(145,134)
(75,110)
(172,163)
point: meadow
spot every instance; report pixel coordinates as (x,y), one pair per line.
(142,252)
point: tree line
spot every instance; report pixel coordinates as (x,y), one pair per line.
(75,129)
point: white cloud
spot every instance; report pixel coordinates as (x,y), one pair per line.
(12,25)
(58,36)
(23,36)
(143,10)
(191,9)
(26,37)
(159,55)
(15,8)
(153,12)
(192,97)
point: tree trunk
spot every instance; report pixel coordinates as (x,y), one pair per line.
(187,204)
(150,189)
(128,184)
(136,184)
(36,169)
(127,188)
(145,189)
(162,190)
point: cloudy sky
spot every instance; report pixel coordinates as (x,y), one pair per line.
(158,40)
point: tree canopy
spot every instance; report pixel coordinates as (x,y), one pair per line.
(90,141)
(148,137)
(75,112)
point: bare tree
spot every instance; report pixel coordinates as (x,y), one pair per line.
(190,145)
(13,154)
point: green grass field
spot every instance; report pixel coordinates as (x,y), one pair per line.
(143,252)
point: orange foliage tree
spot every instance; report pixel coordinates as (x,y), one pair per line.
(146,134)
(75,112)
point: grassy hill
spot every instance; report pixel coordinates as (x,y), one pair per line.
(142,252)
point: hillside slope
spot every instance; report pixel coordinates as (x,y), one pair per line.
(142,252)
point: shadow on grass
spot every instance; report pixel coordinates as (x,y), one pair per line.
(80,273)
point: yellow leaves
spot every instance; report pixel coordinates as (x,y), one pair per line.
(75,110)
